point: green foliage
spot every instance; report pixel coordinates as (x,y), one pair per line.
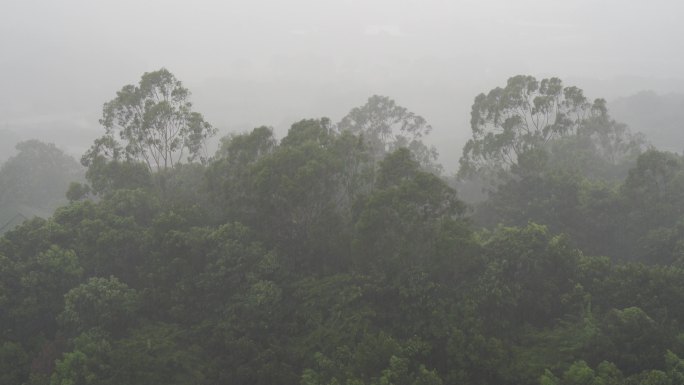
(77,191)
(14,363)
(88,363)
(630,339)
(101,303)
(318,131)
(653,188)
(295,191)
(107,176)
(229,177)
(297,195)
(548,378)
(155,354)
(590,212)
(44,281)
(609,374)
(247,148)
(399,223)
(530,277)
(579,373)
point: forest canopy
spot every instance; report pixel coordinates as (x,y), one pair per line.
(340,254)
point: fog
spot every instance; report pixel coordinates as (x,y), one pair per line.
(251,63)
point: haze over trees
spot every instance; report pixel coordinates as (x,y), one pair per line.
(658,115)
(33,182)
(338,254)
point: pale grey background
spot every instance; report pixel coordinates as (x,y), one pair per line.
(259,62)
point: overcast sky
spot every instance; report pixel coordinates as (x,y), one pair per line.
(269,62)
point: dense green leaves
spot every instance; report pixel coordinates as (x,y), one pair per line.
(103,303)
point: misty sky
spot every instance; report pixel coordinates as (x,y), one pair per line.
(251,63)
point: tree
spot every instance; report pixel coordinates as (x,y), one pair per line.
(632,340)
(106,176)
(13,363)
(653,205)
(524,115)
(399,224)
(559,197)
(529,279)
(295,189)
(229,177)
(43,281)
(155,122)
(247,148)
(653,189)
(579,373)
(386,126)
(293,193)
(88,363)
(155,354)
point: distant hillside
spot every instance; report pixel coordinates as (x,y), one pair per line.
(660,117)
